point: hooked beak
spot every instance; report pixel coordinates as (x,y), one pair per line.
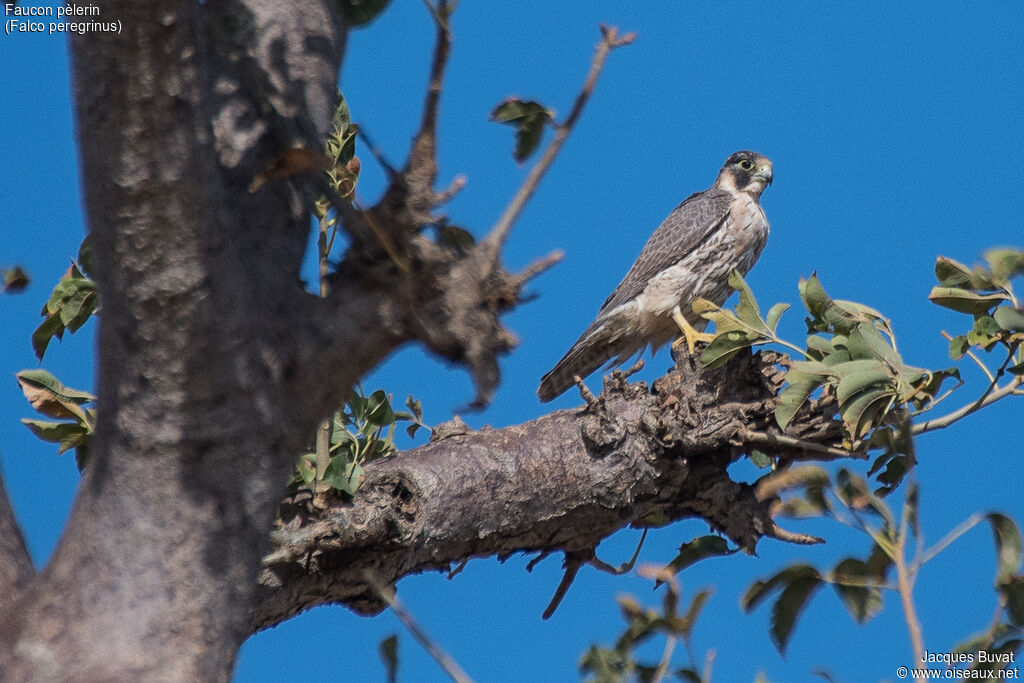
(764,172)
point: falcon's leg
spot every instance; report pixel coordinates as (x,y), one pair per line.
(690,335)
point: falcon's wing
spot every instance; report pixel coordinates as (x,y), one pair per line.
(685,228)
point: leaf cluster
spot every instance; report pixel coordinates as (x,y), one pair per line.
(620,662)
(73,301)
(344,166)
(361,431)
(986,294)
(51,398)
(860,581)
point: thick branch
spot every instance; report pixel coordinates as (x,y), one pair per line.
(562,482)
(15,564)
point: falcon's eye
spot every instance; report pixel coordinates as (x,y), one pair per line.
(747,165)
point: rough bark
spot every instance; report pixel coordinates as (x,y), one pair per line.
(562,482)
(15,564)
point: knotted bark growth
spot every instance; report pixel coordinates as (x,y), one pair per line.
(560,483)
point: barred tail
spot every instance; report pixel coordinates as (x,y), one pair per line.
(586,355)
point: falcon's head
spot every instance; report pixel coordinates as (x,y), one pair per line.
(745,172)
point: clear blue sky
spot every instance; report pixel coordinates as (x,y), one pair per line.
(896,136)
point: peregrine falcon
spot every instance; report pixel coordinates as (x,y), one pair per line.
(688,257)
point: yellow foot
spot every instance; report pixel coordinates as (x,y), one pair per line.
(690,335)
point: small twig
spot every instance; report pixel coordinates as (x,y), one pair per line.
(709,663)
(499,234)
(446,195)
(957,531)
(905,582)
(666,659)
(770,439)
(539,266)
(458,569)
(781,534)
(573,562)
(537,560)
(986,399)
(633,369)
(586,394)
(598,563)
(377,154)
(443,659)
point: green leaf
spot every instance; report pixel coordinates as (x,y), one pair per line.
(747,309)
(800,387)
(1009,548)
(761,589)
(965,301)
(1005,264)
(51,327)
(952,273)
(774,314)
(85,257)
(985,331)
(760,459)
(865,341)
(378,409)
(388,650)
(828,315)
(1013,593)
(1010,319)
(857,375)
(360,12)
(459,240)
(699,549)
(341,117)
(693,612)
(306,468)
(51,398)
(863,602)
(725,345)
(529,119)
(787,609)
(343,476)
(54,432)
(865,410)
(14,279)
(958,346)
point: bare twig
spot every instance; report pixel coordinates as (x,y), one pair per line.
(770,439)
(443,659)
(539,266)
(377,154)
(499,234)
(586,394)
(666,659)
(446,195)
(781,534)
(601,565)
(986,399)
(573,562)
(905,582)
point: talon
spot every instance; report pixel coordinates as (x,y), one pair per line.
(690,335)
